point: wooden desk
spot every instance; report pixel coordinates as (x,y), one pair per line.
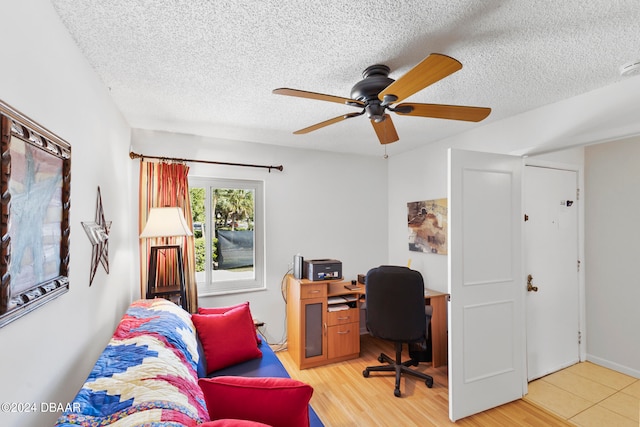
(439,339)
(316,334)
(438,325)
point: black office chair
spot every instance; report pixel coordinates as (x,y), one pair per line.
(396,312)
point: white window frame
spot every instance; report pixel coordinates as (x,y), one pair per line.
(208,287)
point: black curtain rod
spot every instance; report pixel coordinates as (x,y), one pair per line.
(175,159)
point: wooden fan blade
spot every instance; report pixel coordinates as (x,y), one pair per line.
(441,111)
(327,123)
(319,96)
(385,130)
(433,68)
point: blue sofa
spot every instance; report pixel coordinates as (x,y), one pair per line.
(266,366)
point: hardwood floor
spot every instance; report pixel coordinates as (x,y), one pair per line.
(343,397)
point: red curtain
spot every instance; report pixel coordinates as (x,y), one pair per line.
(161,185)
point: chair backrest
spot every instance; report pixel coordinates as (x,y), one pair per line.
(395,303)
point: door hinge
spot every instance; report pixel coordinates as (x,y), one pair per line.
(578,266)
(526,217)
(579,337)
(577,194)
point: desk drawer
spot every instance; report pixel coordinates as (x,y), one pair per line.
(318,290)
(343,340)
(343,316)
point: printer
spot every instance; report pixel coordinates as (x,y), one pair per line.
(322,269)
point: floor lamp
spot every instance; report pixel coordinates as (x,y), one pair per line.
(166,222)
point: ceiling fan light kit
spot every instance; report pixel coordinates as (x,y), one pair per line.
(376,93)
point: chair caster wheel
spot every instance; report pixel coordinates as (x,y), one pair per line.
(429,382)
(396,392)
(380,359)
(365,373)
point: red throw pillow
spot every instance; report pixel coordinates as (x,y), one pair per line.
(233,423)
(282,402)
(222,310)
(227,338)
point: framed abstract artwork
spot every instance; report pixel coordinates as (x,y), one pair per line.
(34,215)
(427,222)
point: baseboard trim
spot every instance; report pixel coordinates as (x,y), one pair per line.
(612,365)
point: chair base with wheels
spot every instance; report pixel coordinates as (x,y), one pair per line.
(399,367)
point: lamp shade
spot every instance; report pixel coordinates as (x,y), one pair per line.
(166,222)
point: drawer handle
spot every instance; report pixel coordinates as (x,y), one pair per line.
(344,332)
(315,291)
(344,318)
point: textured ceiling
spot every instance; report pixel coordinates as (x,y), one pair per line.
(208,67)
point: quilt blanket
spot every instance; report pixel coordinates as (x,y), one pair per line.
(146,376)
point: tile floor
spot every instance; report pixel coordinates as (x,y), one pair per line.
(588,395)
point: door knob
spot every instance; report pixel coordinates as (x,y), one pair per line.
(530,286)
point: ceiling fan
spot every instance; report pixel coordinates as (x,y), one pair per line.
(377,93)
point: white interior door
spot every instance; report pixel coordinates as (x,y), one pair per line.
(551,258)
(486,284)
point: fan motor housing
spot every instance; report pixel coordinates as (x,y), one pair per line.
(375,79)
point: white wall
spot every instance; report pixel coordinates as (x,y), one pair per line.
(47,354)
(414,176)
(612,196)
(322,205)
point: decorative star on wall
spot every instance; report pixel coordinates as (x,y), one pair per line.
(98,233)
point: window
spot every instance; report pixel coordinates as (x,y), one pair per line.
(228,226)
